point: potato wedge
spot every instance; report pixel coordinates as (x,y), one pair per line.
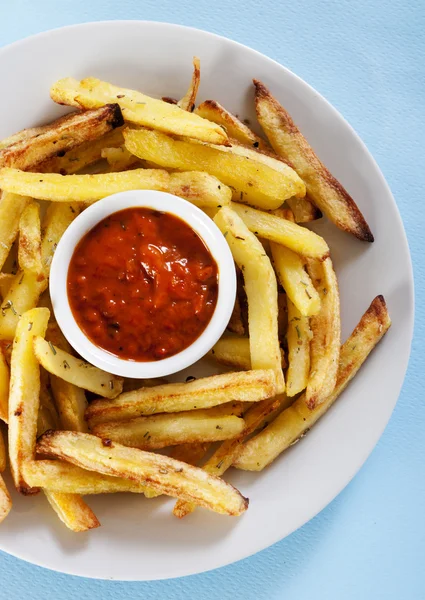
(4,388)
(295,280)
(298,338)
(24,396)
(213,111)
(136,108)
(5,500)
(296,420)
(63,477)
(201,189)
(82,188)
(261,291)
(72,511)
(189,99)
(81,156)
(76,371)
(11,209)
(322,187)
(225,454)
(29,248)
(296,238)
(24,134)
(326,329)
(250,386)
(62,135)
(162,473)
(303,209)
(253,182)
(170,429)
(70,400)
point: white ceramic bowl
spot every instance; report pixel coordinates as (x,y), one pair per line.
(147,541)
(201,224)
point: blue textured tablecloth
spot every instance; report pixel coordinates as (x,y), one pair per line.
(367,58)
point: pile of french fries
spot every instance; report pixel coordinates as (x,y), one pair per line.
(282,346)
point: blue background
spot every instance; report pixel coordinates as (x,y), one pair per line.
(367,58)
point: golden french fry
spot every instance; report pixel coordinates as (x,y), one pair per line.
(11,208)
(162,473)
(29,249)
(4,388)
(261,290)
(24,396)
(298,337)
(189,99)
(249,386)
(225,454)
(137,108)
(63,477)
(213,111)
(254,182)
(120,159)
(160,431)
(5,500)
(81,188)
(303,209)
(57,219)
(233,351)
(295,280)
(325,191)
(293,236)
(326,330)
(72,511)
(201,189)
(6,280)
(60,136)
(24,134)
(81,156)
(75,370)
(48,417)
(296,420)
(70,400)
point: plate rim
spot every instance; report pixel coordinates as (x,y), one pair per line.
(411,289)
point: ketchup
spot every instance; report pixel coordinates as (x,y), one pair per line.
(142,284)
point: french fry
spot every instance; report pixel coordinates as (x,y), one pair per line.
(81,188)
(261,291)
(322,187)
(29,248)
(213,111)
(57,219)
(11,208)
(76,371)
(70,400)
(326,330)
(296,420)
(24,394)
(189,99)
(6,280)
(65,478)
(225,454)
(249,386)
(295,280)
(233,351)
(303,209)
(3,459)
(5,500)
(62,135)
(81,156)
(298,337)
(4,388)
(162,473)
(235,324)
(160,431)
(72,511)
(253,182)
(137,108)
(24,134)
(48,417)
(119,159)
(296,238)
(201,189)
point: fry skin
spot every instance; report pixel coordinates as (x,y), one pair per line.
(11,209)
(4,388)
(296,420)
(298,337)
(29,248)
(189,99)
(5,500)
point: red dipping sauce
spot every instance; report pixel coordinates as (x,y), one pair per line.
(142,284)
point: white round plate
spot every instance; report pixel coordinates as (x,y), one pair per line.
(140,539)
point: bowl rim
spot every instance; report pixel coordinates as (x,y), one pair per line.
(212,238)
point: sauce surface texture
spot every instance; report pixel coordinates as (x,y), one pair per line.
(142,284)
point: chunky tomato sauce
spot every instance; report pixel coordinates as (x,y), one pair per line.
(142,284)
